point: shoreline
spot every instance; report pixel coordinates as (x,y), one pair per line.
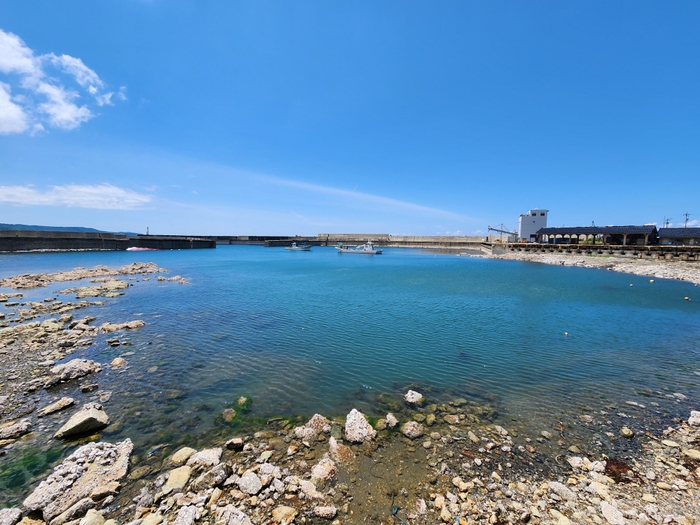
(444,458)
(674,270)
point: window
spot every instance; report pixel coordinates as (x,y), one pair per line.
(542,214)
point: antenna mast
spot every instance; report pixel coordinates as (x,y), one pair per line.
(686,215)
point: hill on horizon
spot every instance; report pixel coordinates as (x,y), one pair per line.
(34,227)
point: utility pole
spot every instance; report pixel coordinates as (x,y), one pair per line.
(666,221)
(686,215)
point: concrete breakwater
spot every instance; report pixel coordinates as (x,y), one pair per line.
(29,240)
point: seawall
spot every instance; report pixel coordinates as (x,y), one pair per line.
(29,240)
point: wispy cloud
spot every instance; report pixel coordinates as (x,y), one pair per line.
(99,196)
(358,196)
(37,92)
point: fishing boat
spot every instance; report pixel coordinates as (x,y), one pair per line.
(139,249)
(303,247)
(366,249)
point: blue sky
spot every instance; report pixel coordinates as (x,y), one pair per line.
(264,117)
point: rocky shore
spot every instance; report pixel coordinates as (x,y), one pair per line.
(428,459)
(662,269)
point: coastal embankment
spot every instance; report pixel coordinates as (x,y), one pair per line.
(427,456)
(661,268)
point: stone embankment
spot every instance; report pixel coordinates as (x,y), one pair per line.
(677,270)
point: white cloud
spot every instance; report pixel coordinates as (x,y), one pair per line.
(359,196)
(42,94)
(12,118)
(98,196)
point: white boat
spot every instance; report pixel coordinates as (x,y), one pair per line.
(303,247)
(139,249)
(365,249)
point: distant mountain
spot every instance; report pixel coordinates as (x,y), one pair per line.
(34,227)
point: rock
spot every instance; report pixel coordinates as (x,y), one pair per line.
(694,419)
(472,437)
(107,489)
(212,478)
(339,452)
(118,362)
(664,486)
(323,470)
(182,455)
(451,419)
(412,430)
(74,512)
(445,514)
(391,420)
(92,518)
(381,424)
(309,489)
(230,515)
(186,515)
(88,419)
(413,397)
(692,454)
(626,432)
(313,428)
(430,419)
(357,429)
(611,514)
(73,369)
(235,444)
(229,415)
(250,483)
(561,519)
(178,478)
(282,515)
(55,407)
(325,512)
(155,518)
(77,476)
(546,434)
(207,458)
(10,516)
(15,429)
(562,491)
(649,498)
(670,444)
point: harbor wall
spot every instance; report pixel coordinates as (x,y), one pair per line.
(30,240)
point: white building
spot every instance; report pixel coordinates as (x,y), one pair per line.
(530,223)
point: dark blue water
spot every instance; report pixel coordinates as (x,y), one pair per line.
(305,332)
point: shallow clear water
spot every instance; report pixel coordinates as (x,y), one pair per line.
(318,331)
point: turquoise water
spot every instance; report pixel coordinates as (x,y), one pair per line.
(305,332)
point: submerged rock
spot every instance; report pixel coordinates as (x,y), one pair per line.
(15,429)
(413,397)
(91,417)
(75,479)
(412,430)
(74,369)
(62,403)
(357,429)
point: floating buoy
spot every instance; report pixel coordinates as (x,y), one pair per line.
(566,334)
(687,298)
(631,285)
(651,280)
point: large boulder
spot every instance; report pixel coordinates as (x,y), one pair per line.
(412,430)
(90,418)
(75,479)
(313,428)
(357,429)
(73,369)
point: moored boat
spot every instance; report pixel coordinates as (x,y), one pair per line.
(366,249)
(303,247)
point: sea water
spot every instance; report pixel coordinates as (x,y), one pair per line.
(305,332)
